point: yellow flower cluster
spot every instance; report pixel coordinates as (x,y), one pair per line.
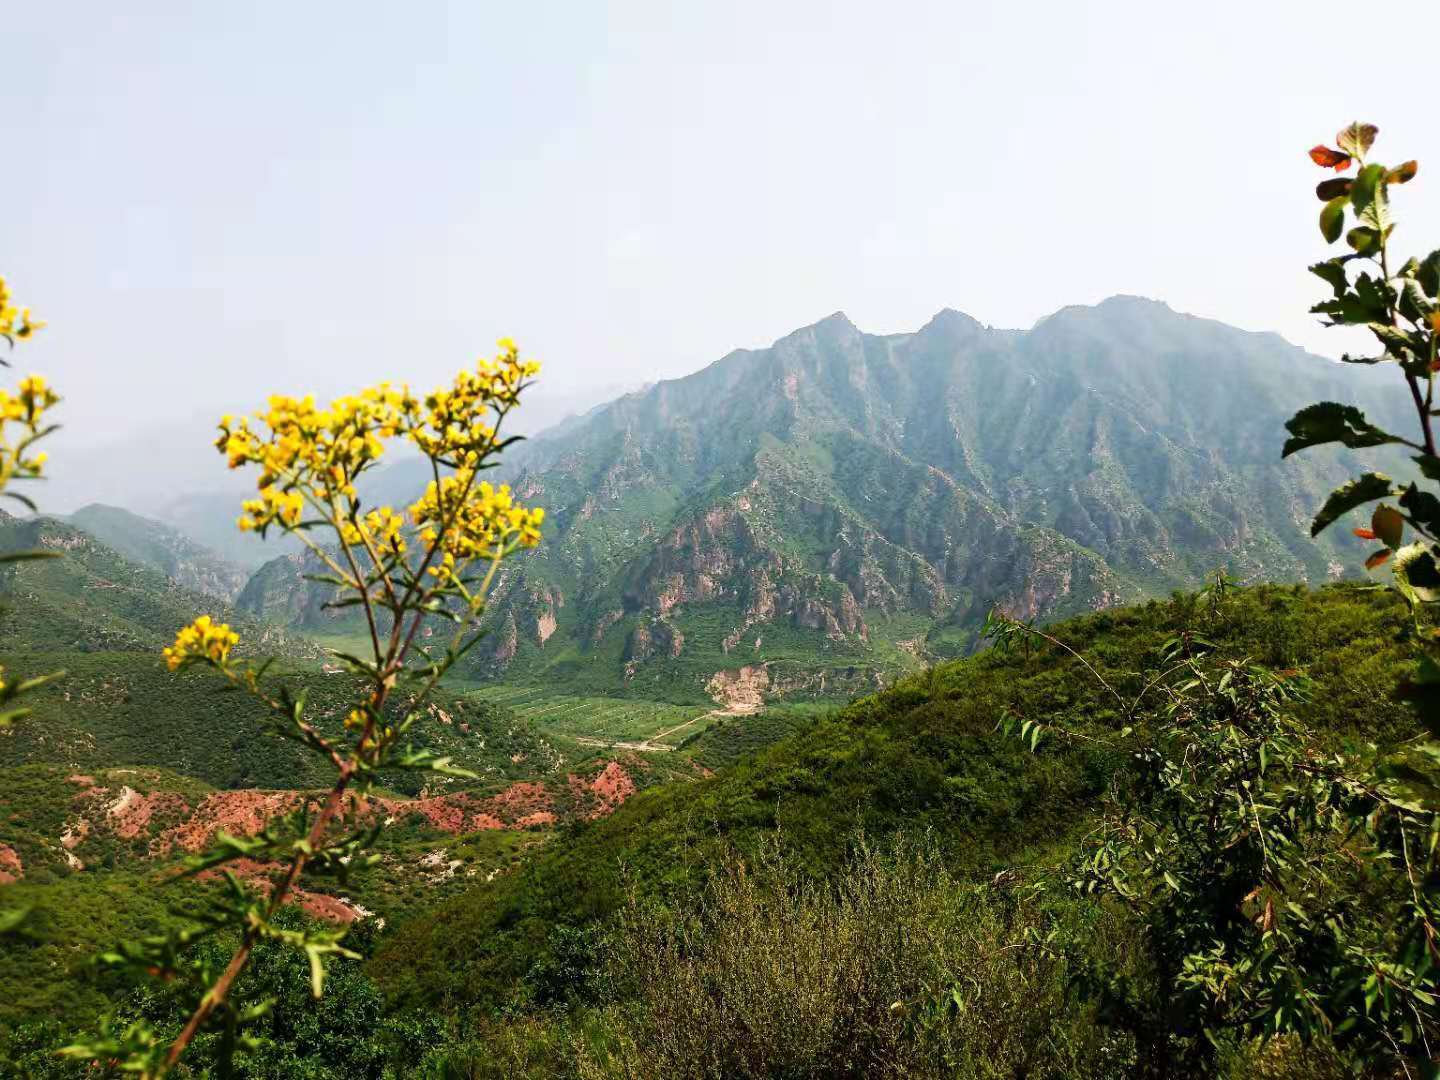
(26,406)
(15,322)
(464,521)
(321,450)
(381,528)
(454,428)
(204,640)
(272,505)
(299,447)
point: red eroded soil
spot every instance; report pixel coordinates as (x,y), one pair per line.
(174,825)
(606,790)
(129,812)
(519,806)
(240,813)
(11,869)
(258,875)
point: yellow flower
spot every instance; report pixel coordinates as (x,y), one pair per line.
(28,326)
(204,640)
(304,452)
(10,316)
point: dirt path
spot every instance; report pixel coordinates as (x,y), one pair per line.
(651,744)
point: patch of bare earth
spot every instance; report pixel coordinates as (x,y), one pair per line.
(11,868)
(605,791)
(239,813)
(740,691)
(260,876)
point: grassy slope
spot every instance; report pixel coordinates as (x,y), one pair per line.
(921,756)
(126,709)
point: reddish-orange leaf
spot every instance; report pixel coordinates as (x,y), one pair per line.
(1330,159)
(1389,526)
(1402,174)
(1378,559)
(1365,534)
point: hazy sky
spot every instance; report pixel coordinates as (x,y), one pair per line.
(211,201)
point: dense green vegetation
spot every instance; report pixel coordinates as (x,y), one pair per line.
(126,709)
(923,757)
(578,919)
(93,598)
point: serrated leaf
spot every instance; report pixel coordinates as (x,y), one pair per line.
(1414,304)
(1396,341)
(1332,272)
(1342,500)
(1331,422)
(1356,139)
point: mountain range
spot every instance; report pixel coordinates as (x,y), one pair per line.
(814,517)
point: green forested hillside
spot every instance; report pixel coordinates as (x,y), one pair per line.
(89,597)
(152,543)
(923,757)
(117,708)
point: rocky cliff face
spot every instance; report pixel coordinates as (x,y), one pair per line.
(281,592)
(185,563)
(842,505)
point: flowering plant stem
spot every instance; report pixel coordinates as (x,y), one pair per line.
(435,561)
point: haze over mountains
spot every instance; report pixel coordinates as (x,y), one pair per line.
(815,516)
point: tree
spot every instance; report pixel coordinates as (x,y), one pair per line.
(434,562)
(1279,888)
